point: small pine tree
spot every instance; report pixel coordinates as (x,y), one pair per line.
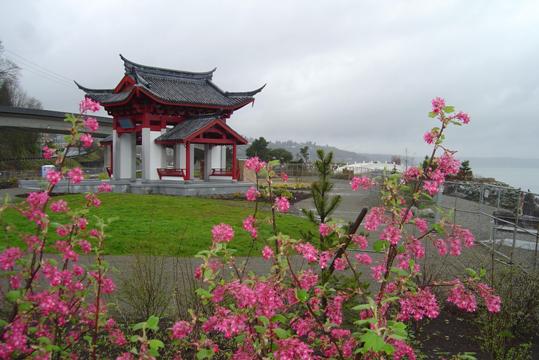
(324,204)
(465,171)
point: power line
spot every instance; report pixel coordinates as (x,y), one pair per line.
(50,78)
(60,76)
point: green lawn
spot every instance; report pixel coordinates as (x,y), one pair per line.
(164,225)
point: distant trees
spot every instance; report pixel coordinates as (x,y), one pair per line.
(281,154)
(304,154)
(396,159)
(260,147)
(15,145)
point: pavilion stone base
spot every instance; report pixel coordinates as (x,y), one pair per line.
(164,187)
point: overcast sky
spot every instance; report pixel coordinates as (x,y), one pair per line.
(355,74)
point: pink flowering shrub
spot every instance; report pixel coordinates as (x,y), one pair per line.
(294,313)
(56,306)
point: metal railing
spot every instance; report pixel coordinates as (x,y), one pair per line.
(505,221)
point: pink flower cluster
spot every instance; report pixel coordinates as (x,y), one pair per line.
(75,175)
(222,233)
(54,177)
(87,140)
(418,305)
(104,187)
(281,204)
(267,252)
(48,153)
(91,124)
(252,194)
(325,230)
(88,104)
(374,218)
(392,234)
(181,330)
(59,206)
(438,104)
(363,182)
(308,251)
(462,298)
(249,226)
(255,164)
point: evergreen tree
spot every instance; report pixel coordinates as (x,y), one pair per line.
(324,204)
(465,171)
(259,147)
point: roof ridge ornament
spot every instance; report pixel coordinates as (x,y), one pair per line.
(131,67)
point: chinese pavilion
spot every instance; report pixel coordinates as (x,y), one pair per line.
(161,108)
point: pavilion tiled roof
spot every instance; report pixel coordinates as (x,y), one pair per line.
(173,87)
(191,126)
(187,128)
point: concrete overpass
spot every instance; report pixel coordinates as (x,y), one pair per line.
(46,121)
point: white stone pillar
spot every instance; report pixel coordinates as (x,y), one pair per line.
(152,154)
(207,161)
(124,158)
(216,157)
(115,155)
(180,156)
(223,156)
(106,156)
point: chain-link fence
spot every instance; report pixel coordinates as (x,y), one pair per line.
(505,221)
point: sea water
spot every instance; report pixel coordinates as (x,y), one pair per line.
(525,178)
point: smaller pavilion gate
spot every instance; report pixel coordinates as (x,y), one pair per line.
(159,108)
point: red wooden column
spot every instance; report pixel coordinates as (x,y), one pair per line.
(234,162)
(187,161)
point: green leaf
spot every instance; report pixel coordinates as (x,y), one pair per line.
(302,295)
(374,342)
(281,333)
(260,329)
(471,272)
(362,307)
(438,228)
(156,344)
(133,338)
(204,354)
(139,326)
(13,295)
(273,163)
(203,293)
(280,318)
(379,245)
(153,323)
(432,114)
(264,320)
(449,109)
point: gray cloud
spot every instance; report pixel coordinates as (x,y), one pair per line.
(356,74)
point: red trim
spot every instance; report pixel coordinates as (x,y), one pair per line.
(170,172)
(187,161)
(227,129)
(126,81)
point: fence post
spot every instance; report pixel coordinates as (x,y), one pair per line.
(517,213)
